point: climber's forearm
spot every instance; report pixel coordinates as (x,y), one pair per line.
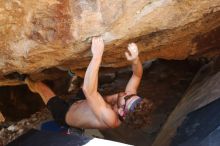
(137,68)
(91,77)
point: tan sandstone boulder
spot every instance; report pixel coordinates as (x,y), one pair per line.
(41,34)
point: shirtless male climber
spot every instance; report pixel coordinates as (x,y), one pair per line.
(93,110)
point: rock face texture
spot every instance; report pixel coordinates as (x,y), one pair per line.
(38,34)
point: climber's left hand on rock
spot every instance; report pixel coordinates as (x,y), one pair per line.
(133,49)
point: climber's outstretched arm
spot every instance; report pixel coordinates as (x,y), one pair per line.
(103,112)
(137,69)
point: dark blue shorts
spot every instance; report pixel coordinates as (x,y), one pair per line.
(59,107)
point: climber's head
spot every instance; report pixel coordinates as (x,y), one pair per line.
(127,104)
(134,110)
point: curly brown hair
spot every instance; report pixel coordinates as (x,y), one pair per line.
(141,116)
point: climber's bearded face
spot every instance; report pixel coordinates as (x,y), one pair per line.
(121,104)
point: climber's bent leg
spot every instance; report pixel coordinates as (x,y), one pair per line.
(39,87)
